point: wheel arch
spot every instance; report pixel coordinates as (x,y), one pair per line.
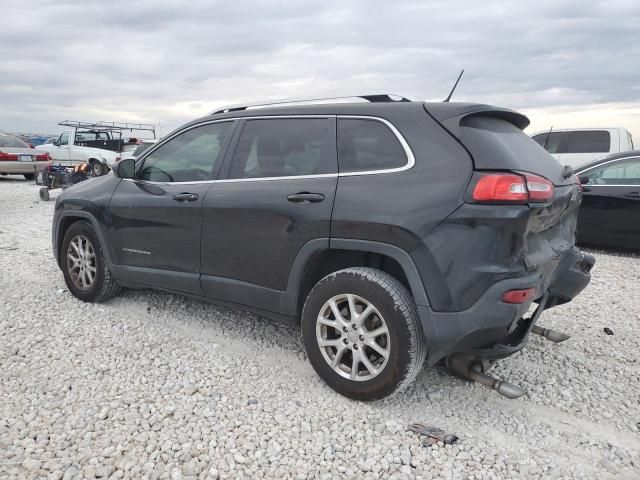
(69,218)
(321,257)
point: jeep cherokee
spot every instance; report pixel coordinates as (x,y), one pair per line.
(393,232)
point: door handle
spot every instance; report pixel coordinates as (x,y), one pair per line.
(633,195)
(305,197)
(186,197)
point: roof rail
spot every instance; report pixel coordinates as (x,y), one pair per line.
(374,98)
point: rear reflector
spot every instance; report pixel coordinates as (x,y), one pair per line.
(512,188)
(519,296)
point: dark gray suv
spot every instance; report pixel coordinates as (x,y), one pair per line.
(393,231)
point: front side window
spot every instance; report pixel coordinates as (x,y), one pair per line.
(64,139)
(189,157)
(588,141)
(283,147)
(626,172)
(365,144)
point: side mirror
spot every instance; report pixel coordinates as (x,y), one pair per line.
(125,168)
(584,179)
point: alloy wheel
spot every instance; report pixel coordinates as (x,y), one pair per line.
(81,262)
(353,337)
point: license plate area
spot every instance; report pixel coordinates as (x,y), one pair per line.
(26,158)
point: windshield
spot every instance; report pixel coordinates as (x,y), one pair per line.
(8,141)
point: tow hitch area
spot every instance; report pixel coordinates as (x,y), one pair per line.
(470,367)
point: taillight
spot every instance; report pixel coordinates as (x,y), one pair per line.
(8,156)
(519,296)
(43,157)
(540,189)
(500,187)
(512,188)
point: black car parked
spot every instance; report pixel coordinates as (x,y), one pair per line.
(610,210)
(393,231)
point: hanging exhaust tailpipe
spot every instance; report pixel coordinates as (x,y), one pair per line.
(471,368)
(549,334)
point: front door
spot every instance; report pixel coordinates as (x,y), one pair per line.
(610,210)
(60,150)
(276,195)
(157,217)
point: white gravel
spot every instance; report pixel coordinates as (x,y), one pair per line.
(153,385)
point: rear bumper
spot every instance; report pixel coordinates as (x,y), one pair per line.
(20,168)
(494,329)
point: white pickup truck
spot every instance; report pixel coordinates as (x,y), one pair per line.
(100,144)
(579,146)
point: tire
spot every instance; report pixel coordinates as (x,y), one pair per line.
(391,306)
(29,176)
(97,169)
(103,287)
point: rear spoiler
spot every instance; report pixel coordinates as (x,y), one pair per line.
(451,115)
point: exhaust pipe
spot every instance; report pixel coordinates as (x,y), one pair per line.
(553,335)
(471,368)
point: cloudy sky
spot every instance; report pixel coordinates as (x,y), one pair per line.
(563,63)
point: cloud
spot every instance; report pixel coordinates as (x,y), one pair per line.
(168,62)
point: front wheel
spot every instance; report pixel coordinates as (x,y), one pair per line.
(85,269)
(362,335)
(98,169)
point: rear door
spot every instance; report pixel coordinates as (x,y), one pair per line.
(610,210)
(276,194)
(157,217)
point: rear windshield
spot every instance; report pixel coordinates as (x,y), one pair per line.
(6,141)
(588,141)
(497,144)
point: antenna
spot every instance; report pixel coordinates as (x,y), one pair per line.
(546,140)
(454,86)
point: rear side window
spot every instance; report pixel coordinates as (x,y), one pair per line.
(552,142)
(7,141)
(365,144)
(588,141)
(187,157)
(626,172)
(284,147)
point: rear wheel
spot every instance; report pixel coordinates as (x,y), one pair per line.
(85,269)
(361,333)
(29,176)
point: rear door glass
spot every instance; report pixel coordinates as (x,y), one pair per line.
(626,172)
(588,141)
(284,147)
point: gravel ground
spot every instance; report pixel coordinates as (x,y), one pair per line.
(153,385)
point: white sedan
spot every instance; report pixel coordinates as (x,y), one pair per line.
(17,158)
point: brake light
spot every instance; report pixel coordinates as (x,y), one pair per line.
(512,188)
(8,156)
(500,187)
(519,296)
(43,157)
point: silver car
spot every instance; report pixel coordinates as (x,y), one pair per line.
(17,158)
